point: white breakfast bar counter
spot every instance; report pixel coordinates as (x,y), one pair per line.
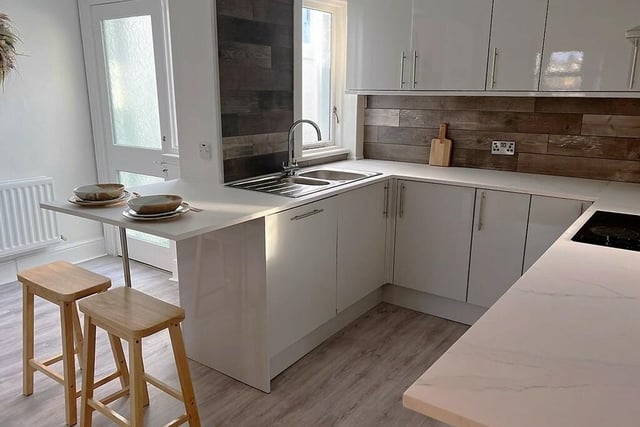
(561,347)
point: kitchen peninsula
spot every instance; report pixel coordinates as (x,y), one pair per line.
(222,263)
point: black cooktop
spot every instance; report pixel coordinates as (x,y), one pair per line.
(611,229)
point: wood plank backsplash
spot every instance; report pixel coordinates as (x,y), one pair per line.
(579,137)
(255,56)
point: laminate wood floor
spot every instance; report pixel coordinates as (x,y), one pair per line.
(356,378)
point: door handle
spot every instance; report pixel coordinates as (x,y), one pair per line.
(385,211)
(634,60)
(415,62)
(493,67)
(483,196)
(307,215)
(402,59)
(401,214)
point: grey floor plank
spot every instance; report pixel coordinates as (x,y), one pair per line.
(356,378)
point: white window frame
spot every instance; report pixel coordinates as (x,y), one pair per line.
(338,8)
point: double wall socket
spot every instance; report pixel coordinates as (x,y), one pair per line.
(504,148)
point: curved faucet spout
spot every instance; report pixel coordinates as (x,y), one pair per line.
(291,167)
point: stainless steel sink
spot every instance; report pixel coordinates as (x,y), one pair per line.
(299,185)
(334,175)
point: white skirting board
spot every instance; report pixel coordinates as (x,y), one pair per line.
(446,308)
(72,252)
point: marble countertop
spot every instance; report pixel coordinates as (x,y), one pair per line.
(224,206)
(560,348)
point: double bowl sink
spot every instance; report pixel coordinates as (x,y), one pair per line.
(306,182)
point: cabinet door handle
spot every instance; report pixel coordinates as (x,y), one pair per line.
(385,211)
(401,200)
(483,196)
(493,67)
(634,60)
(402,59)
(413,74)
(307,215)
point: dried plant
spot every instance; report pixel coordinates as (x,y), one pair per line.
(8,42)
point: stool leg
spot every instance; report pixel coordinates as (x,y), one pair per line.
(119,360)
(27,341)
(184,376)
(77,333)
(89,364)
(137,382)
(68,363)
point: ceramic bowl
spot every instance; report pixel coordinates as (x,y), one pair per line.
(99,192)
(156,204)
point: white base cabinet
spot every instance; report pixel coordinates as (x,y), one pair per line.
(549,217)
(499,233)
(301,271)
(362,230)
(433,238)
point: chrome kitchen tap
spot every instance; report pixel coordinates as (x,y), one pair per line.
(290,168)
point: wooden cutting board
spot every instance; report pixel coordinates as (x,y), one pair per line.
(440,154)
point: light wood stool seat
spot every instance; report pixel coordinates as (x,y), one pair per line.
(133,315)
(63,284)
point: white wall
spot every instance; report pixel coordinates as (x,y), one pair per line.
(45,127)
(194,49)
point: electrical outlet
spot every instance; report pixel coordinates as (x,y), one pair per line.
(504,148)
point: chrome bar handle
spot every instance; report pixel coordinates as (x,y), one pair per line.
(415,62)
(634,60)
(402,59)
(493,67)
(385,211)
(401,200)
(483,196)
(307,215)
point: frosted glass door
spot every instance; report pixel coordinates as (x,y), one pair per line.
(131,79)
(131,102)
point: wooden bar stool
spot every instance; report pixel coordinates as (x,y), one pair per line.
(133,315)
(62,284)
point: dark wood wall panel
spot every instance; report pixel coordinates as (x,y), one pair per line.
(255,56)
(580,137)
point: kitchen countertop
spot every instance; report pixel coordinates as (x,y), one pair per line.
(224,206)
(560,348)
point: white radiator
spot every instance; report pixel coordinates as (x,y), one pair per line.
(24,226)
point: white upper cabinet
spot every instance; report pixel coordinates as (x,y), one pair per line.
(378,44)
(450,39)
(515,49)
(585,47)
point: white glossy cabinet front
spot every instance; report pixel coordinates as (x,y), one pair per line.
(379,31)
(549,217)
(585,48)
(433,238)
(499,233)
(301,271)
(515,50)
(450,40)
(362,229)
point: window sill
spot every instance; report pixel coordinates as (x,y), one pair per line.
(320,153)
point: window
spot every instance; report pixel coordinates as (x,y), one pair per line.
(322,51)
